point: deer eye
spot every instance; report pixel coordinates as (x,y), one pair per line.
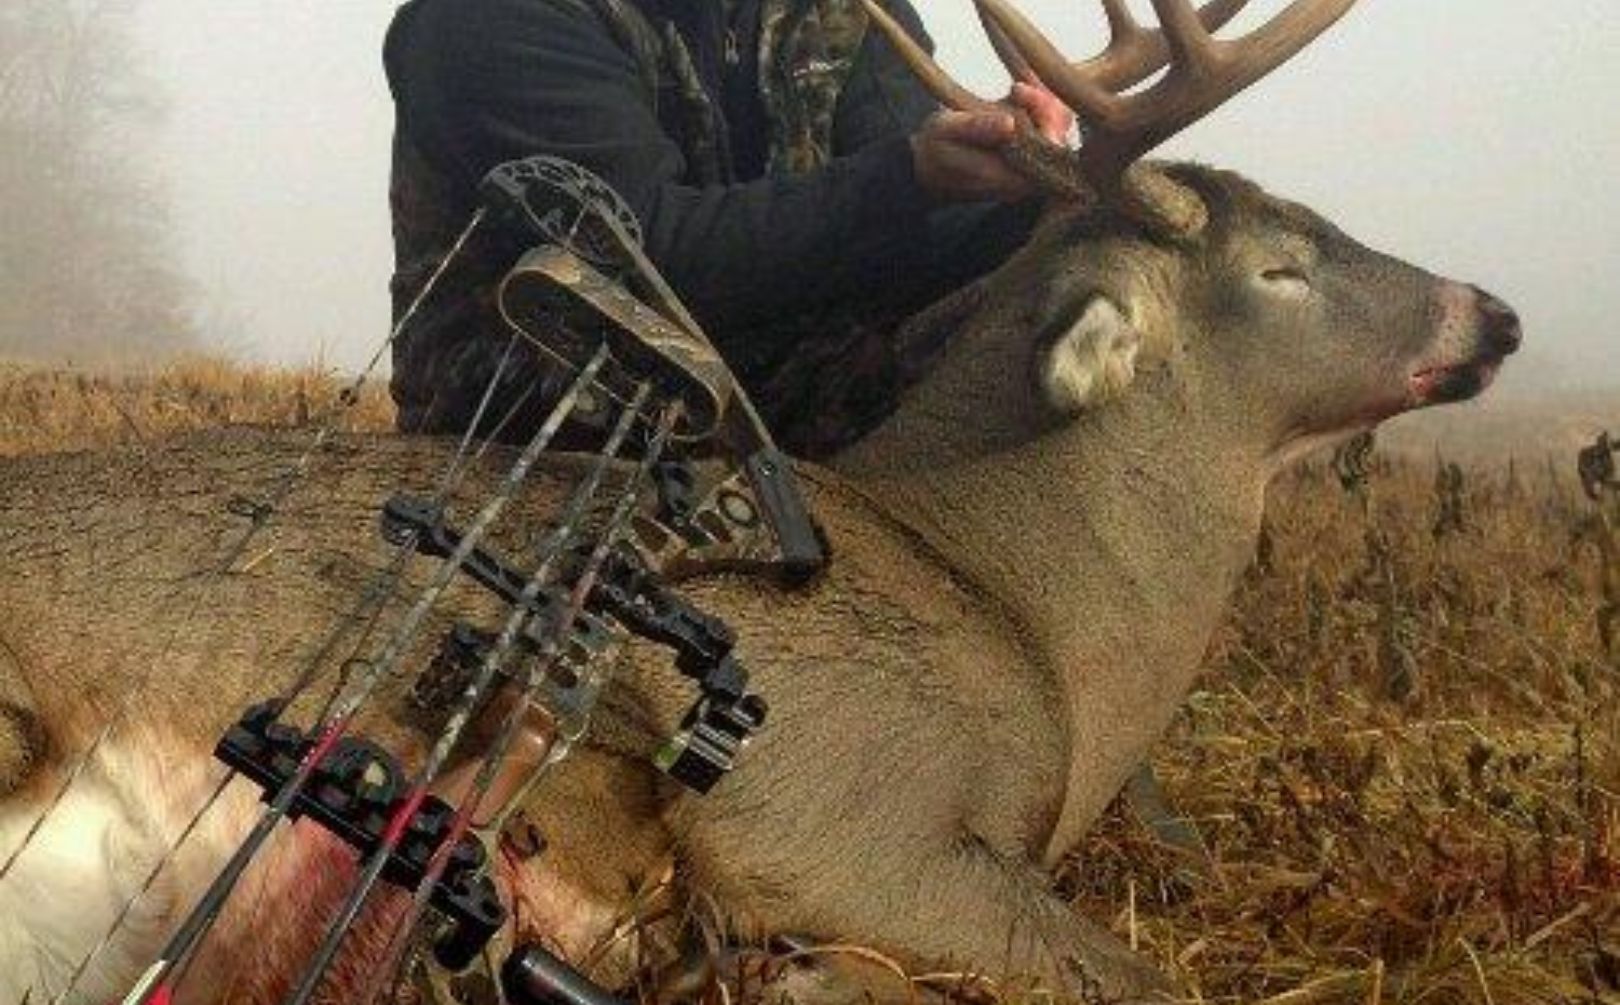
(1286,282)
(1285,274)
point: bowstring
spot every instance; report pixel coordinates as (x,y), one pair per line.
(145,887)
(460,717)
(267,875)
(528,391)
(506,420)
(384,584)
(369,610)
(346,400)
(333,727)
(388,581)
(498,656)
(468,435)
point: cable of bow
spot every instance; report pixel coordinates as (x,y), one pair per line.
(335,724)
(262,513)
(372,870)
(363,616)
(538,665)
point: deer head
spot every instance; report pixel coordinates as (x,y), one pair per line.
(1283,329)
(1091,427)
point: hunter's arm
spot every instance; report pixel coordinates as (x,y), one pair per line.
(884,99)
(484,81)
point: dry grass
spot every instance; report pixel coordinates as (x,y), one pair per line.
(54,410)
(1404,759)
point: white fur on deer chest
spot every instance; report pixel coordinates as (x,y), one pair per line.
(94,852)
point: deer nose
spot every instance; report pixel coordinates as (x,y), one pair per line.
(1500,324)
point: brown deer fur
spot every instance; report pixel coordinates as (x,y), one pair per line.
(1029,559)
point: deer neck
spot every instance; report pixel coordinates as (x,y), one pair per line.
(1110,544)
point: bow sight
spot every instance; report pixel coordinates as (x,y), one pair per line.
(586,295)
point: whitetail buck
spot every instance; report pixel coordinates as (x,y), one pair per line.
(1029,558)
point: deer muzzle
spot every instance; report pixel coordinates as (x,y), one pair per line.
(1477,332)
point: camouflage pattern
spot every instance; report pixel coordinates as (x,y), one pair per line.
(430,370)
(444,362)
(842,377)
(807,52)
(698,120)
(632,31)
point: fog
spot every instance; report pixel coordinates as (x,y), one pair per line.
(1478,139)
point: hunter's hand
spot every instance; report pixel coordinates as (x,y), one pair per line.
(958,155)
(1047,113)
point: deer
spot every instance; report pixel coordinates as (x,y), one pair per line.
(1029,558)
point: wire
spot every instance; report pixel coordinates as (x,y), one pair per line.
(498,655)
(440,754)
(347,399)
(336,724)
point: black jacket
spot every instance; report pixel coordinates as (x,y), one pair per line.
(479,82)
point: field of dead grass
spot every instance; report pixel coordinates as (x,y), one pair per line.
(1404,760)
(56,410)
(1405,756)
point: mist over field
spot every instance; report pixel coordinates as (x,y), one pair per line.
(1395,778)
(87,261)
(1461,141)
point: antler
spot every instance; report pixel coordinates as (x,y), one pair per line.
(1121,128)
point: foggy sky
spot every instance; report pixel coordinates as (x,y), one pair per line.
(1479,139)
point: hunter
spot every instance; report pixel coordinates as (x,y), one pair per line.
(797,186)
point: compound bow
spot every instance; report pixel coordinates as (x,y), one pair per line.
(585,295)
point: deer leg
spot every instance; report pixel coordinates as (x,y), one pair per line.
(1158,813)
(960,908)
(975,907)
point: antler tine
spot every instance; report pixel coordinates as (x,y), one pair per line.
(1121,128)
(1135,53)
(1204,74)
(933,78)
(1009,55)
(1184,33)
(1094,103)
(1120,20)
(1268,47)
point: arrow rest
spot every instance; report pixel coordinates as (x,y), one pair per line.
(355,792)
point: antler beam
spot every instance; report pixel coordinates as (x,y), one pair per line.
(1121,128)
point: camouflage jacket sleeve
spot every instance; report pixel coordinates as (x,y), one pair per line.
(882,97)
(482,81)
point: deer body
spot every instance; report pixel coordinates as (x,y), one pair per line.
(912,716)
(1029,558)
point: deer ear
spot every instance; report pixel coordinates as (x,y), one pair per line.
(1091,362)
